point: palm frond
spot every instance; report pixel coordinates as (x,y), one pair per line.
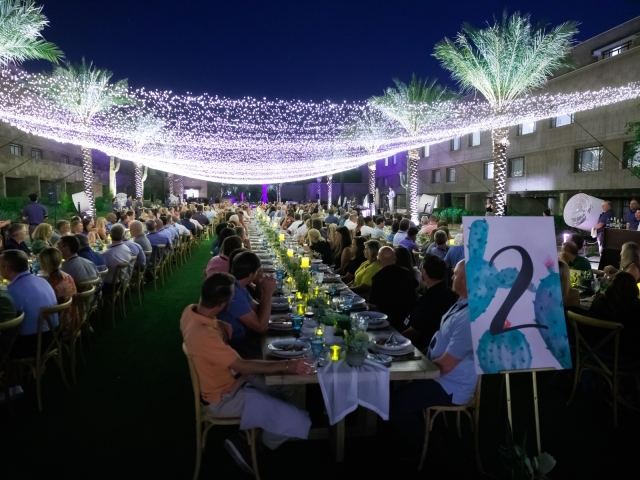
(507,59)
(414,106)
(20,39)
(371,130)
(84,90)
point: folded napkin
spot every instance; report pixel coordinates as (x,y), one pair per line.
(345,387)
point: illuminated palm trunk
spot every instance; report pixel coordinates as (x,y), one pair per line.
(319,189)
(372,184)
(87,178)
(141,176)
(329,190)
(182,189)
(500,139)
(279,192)
(171,184)
(114,167)
(412,191)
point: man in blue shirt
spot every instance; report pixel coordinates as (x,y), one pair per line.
(15,241)
(243,312)
(86,252)
(451,350)
(129,202)
(332,218)
(34,214)
(630,216)
(605,216)
(29,293)
(410,240)
(186,222)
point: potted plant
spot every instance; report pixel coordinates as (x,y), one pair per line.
(357,344)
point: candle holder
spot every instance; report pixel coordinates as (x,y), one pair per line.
(335,353)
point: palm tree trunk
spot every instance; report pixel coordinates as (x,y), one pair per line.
(182,189)
(500,139)
(412,191)
(87,177)
(171,184)
(372,184)
(329,190)
(279,192)
(139,188)
(319,189)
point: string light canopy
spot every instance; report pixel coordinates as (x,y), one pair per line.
(253,141)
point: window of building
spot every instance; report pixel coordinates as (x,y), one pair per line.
(77,162)
(435,176)
(451,174)
(455,144)
(64,159)
(15,149)
(425,151)
(488,170)
(562,120)
(516,167)
(612,52)
(588,159)
(526,128)
(386,161)
(631,155)
(395,158)
(36,153)
(474,139)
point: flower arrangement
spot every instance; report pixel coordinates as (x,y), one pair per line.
(356,342)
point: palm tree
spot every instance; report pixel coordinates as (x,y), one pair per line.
(414,107)
(84,91)
(20,25)
(503,62)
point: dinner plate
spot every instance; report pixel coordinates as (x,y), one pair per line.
(357,300)
(316,261)
(405,351)
(378,326)
(280,321)
(331,278)
(279,303)
(375,318)
(276,348)
(403,343)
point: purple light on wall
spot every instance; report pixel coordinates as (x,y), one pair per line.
(264,193)
(242,197)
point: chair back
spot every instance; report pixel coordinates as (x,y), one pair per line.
(103,273)
(195,382)
(84,286)
(83,301)
(46,316)
(11,323)
(587,353)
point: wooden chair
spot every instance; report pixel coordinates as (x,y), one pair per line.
(587,357)
(114,297)
(4,354)
(203,417)
(431,413)
(83,287)
(155,265)
(128,282)
(36,364)
(83,302)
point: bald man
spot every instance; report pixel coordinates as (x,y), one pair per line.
(393,289)
(450,350)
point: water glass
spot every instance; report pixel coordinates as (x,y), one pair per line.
(346,298)
(319,277)
(279,285)
(335,304)
(297,322)
(317,346)
(314,267)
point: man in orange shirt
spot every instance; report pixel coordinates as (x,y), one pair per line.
(233,387)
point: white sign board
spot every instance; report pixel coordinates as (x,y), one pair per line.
(515,300)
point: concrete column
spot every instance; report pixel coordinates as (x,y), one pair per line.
(553,205)
(32,185)
(3,186)
(468,201)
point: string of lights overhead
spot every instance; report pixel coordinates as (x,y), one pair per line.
(253,141)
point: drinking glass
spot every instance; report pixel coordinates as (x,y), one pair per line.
(335,304)
(346,298)
(314,267)
(297,323)
(317,347)
(279,285)
(320,277)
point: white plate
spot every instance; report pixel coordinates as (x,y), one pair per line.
(279,303)
(274,350)
(403,343)
(379,326)
(274,324)
(375,318)
(405,351)
(316,261)
(357,300)
(331,278)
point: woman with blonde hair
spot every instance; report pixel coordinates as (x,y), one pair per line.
(101,228)
(41,238)
(331,235)
(570,296)
(317,244)
(629,261)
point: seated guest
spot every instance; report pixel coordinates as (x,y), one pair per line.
(224,234)
(439,247)
(455,253)
(155,238)
(363,277)
(169,233)
(7,312)
(243,312)
(138,236)
(225,377)
(76,226)
(357,257)
(429,224)
(289,219)
(62,283)
(81,269)
(405,259)
(409,241)
(578,240)
(368,227)
(388,220)
(619,303)
(242,233)
(188,223)
(395,226)
(85,251)
(331,218)
(40,239)
(63,227)
(319,245)
(403,227)
(101,228)
(377,232)
(425,318)
(629,261)
(351,223)
(111,221)
(451,350)
(220,263)
(118,252)
(317,224)
(393,289)
(174,220)
(569,255)
(304,228)
(295,224)
(29,293)
(341,250)
(15,240)
(136,249)
(200,217)
(343,220)
(570,296)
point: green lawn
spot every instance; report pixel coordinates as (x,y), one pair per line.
(131,417)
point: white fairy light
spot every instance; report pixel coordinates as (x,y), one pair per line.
(253,141)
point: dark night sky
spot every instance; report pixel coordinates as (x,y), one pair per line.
(302,49)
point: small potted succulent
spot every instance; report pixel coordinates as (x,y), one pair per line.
(357,344)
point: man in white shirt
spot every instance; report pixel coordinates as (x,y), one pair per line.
(378,231)
(367,228)
(392,198)
(352,223)
(296,223)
